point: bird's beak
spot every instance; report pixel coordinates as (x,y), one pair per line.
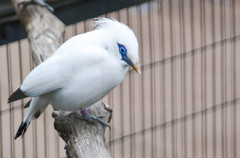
(129,62)
(136,68)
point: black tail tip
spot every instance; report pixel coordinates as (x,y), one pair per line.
(18,94)
(21,130)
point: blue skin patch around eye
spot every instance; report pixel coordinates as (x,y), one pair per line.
(123,52)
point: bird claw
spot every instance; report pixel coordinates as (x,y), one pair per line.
(37,2)
(99,117)
(92,119)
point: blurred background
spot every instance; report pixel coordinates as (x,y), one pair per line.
(184,105)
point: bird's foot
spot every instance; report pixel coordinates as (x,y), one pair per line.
(37,2)
(92,119)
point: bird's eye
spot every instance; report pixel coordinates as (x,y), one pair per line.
(122,49)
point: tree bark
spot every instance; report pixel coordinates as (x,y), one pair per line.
(45,36)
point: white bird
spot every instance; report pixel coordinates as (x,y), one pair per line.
(81,72)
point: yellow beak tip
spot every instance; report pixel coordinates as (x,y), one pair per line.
(136,69)
(139,72)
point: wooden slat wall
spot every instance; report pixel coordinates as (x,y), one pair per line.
(185,103)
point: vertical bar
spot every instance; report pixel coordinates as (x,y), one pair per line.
(150,43)
(236,93)
(208,77)
(203,77)
(229,79)
(129,104)
(158,73)
(163,147)
(194,122)
(173,82)
(177,78)
(197,79)
(131,99)
(46,132)
(154,47)
(4,117)
(146,85)
(218,79)
(183,78)
(234,89)
(214,131)
(137,117)
(11,104)
(22,101)
(223,84)
(25,57)
(15,81)
(152,29)
(142,78)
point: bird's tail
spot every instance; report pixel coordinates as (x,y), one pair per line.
(37,106)
(22,129)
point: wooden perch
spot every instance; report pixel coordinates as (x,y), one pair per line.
(84,139)
(44,30)
(45,36)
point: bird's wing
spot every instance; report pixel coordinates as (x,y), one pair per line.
(44,78)
(57,72)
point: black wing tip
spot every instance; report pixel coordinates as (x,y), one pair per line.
(18,94)
(21,130)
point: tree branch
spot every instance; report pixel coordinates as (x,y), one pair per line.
(44,29)
(83,139)
(45,36)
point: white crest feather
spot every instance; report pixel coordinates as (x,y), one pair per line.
(100,23)
(105,23)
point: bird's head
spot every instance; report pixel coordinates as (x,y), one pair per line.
(123,44)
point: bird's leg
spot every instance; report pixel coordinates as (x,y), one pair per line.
(38,2)
(92,119)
